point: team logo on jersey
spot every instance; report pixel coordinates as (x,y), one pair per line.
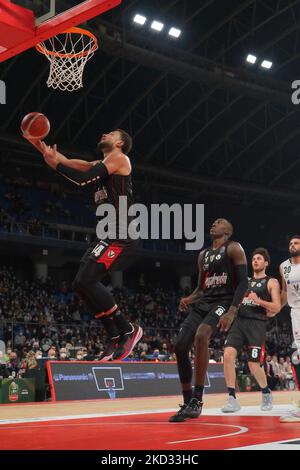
(259,284)
(253,283)
(212,258)
(218,257)
(100,195)
(99,248)
(247,301)
(216,281)
(111,254)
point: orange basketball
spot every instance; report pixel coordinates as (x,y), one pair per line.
(35,126)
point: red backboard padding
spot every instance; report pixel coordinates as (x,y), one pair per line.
(18,33)
(16,24)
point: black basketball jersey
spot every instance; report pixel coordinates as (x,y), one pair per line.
(112,188)
(109,191)
(249,309)
(219,280)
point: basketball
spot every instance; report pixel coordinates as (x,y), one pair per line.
(35,126)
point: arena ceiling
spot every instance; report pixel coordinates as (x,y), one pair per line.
(202,119)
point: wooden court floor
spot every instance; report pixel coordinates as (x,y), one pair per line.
(121,405)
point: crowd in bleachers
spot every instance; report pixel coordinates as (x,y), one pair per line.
(39,198)
(39,204)
(43,320)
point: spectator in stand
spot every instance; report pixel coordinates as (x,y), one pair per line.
(271,379)
(20,339)
(212,356)
(79,355)
(52,353)
(30,360)
(39,354)
(290,383)
(63,354)
(276,369)
(13,364)
(282,374)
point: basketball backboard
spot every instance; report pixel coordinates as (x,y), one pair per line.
(25,23)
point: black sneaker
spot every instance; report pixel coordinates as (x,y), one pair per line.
(180,416)
(194,408)
(109,350)
(127,342)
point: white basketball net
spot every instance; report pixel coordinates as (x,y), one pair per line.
(68,54)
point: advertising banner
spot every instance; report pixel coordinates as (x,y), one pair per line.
(17,390)
(83,380)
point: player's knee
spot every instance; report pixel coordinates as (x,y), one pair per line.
(229,354)
(253,366)
(181,348)
(202,336)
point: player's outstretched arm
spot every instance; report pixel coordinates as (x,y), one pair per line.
(76,164)
(98,171)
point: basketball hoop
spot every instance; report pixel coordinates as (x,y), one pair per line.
(68,54)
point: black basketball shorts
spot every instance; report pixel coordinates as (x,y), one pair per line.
(111,253)
(207,313)
(251,333)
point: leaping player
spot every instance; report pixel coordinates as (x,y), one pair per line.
(111,178)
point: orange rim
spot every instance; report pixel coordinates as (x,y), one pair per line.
(43,50)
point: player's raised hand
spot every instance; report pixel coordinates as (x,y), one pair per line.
(50,155)
(37,143)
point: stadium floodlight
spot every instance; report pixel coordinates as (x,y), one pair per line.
(251,59)
(157,26)
(140,19)
(266,64)
(174,32)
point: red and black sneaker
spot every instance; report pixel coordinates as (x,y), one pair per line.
(127,342)
(108,352)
